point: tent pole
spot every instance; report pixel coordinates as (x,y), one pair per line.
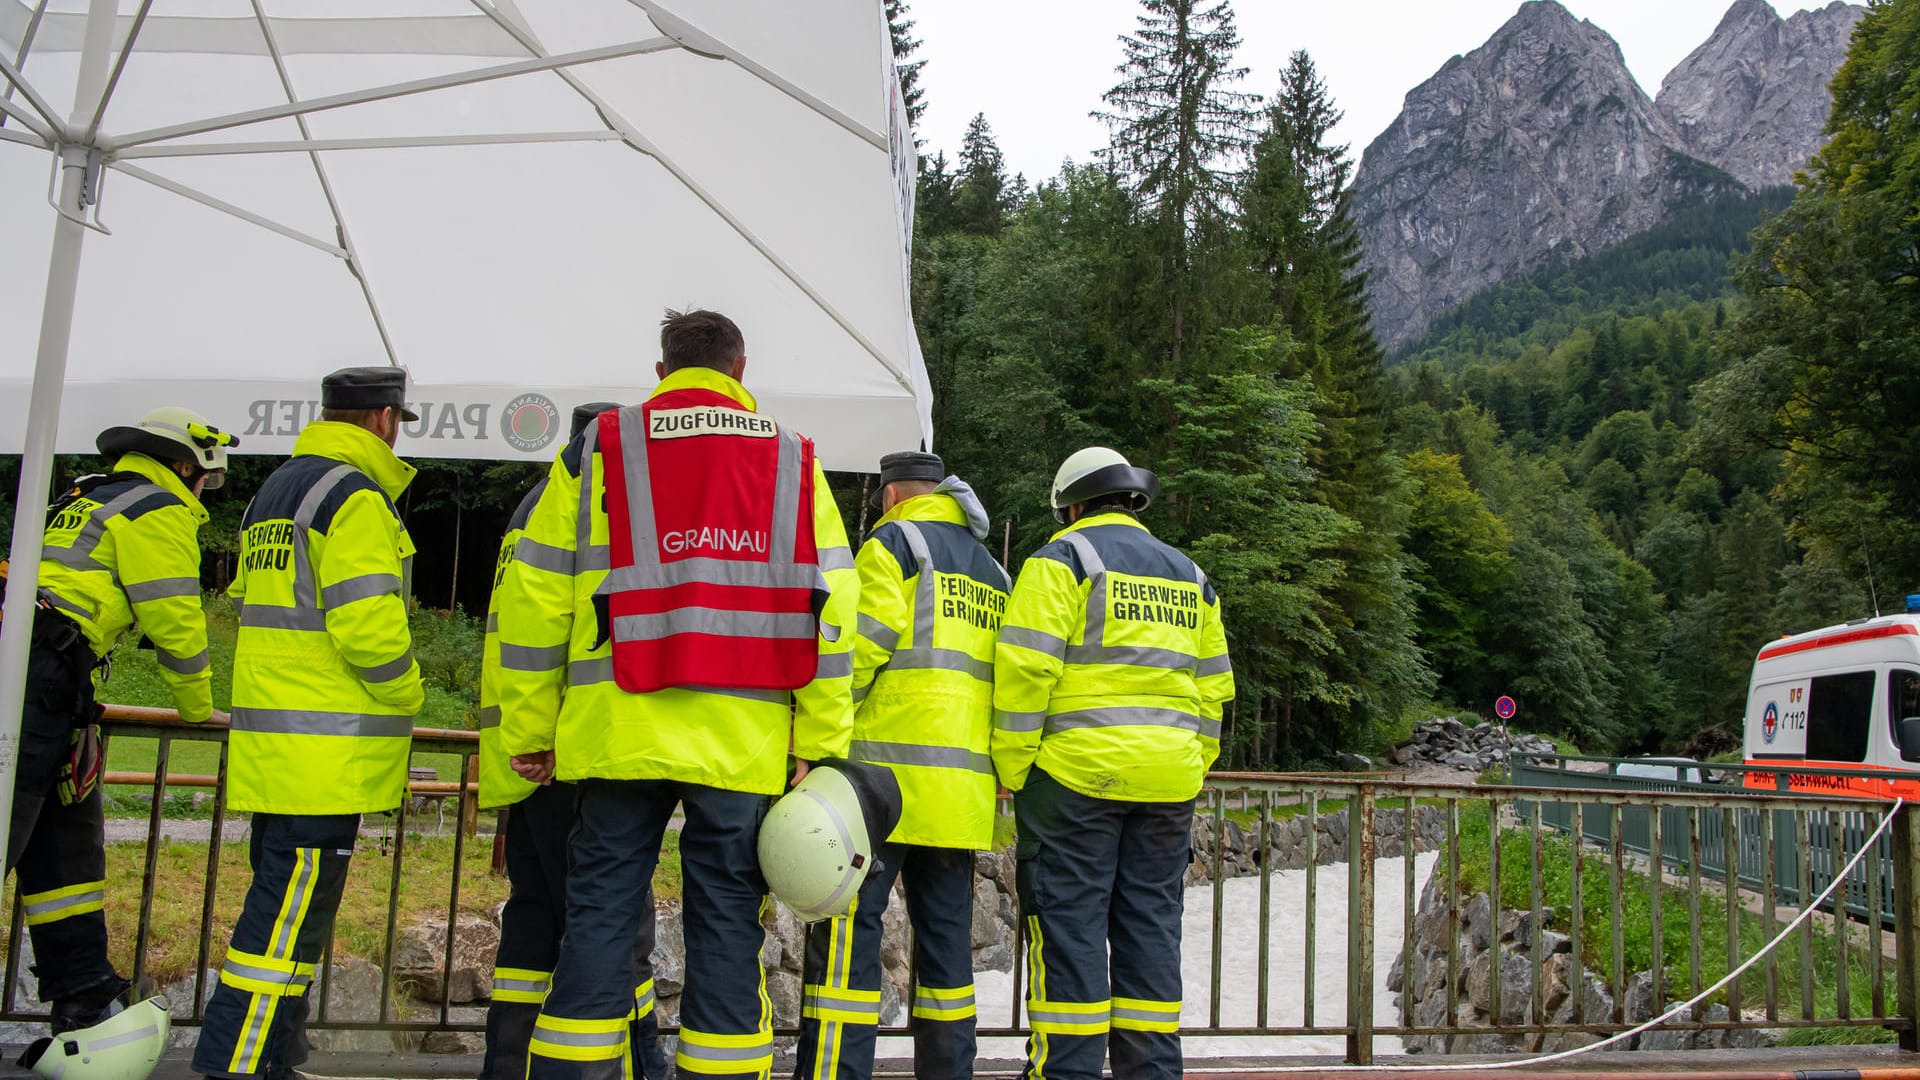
(36,468)
(43,412)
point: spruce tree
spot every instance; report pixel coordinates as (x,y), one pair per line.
(1179,132)
(981,193)
(1297,221)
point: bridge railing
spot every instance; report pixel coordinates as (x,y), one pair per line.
(1311,887)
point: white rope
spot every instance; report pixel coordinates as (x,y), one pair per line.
(1806,912)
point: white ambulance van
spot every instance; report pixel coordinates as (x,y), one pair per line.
(1846,697)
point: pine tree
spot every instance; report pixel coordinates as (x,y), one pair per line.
(900,30)
(1179,130)
(981,193)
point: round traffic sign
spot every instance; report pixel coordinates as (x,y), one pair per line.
(1505,708)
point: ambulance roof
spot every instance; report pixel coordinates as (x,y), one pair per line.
(1859,630)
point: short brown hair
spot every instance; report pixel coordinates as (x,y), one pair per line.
(361,418)
(700,339)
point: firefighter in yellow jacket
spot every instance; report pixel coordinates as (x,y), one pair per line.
(122,558)
(324,692)
(537,820)
(679,613)
(931,599)
(1110,677)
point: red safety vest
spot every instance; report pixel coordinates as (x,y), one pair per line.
(714,578)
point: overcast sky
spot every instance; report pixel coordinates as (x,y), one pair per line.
(1037,67)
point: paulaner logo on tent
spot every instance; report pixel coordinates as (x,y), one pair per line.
(529,421)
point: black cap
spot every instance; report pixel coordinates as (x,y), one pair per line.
(908,465)
(585,414)
(367,388)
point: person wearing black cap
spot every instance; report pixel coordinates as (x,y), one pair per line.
(537,820)
(121,549)
(325,688)
(931,599)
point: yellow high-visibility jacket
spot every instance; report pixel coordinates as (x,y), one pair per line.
(556,674)
(931,600)
(1111,672)
(129,551)
(499,784)
(325,686)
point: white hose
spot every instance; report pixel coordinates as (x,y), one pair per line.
(1806,911)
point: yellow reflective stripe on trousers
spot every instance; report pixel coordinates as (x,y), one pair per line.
(1036,990)
(1069,1017)
(259,974)
(935,1003)
(64,902)
(523,985)
(713,1054)
(1141,1014)
(830,1015)
(281,939)
(643,1000)
(579,1040)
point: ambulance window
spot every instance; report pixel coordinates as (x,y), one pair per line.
(1903,700)
(1839,715)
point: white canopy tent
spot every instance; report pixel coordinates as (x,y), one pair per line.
(500,195)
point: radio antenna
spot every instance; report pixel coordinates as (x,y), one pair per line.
(1866,554)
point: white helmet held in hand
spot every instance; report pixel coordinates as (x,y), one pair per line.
(1096,471)
(124,1046)
(818,842)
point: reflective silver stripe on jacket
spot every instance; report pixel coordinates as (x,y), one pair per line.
(1213,665)
(182,665)
(66,605)
(939,757)
(304,722)
(717,622)
(1019,721)
(878,632)
(141,592)
(487,716)
(364,587)
(1131,656)
(599,669)
(532,657)
(1038,640)
(1132,715)
(388,671)
(1096,569)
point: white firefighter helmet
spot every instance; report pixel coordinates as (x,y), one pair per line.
(124,1046)
(1096,471)
(173,434)
(818,842)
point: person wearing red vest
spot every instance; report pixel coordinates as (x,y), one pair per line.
(678,615)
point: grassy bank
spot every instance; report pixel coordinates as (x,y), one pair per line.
(1680,930)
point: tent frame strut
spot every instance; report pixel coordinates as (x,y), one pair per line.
(20,58)
(389,142)
(354,264)
(384,93)
(225,207)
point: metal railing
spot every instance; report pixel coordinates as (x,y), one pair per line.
(1478,839)
(1768,854)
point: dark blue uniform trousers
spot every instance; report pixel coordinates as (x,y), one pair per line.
(257,1018)
(840,1015)
(726,1019)
(537,831)
(1093,874)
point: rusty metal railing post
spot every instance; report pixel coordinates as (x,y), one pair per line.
(1906,914)
(1360,881)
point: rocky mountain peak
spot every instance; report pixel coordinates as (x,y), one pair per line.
(1540,144)
(1753,97)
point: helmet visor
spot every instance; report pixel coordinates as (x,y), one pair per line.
(216,479)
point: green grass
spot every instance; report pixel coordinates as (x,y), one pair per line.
(1678,931)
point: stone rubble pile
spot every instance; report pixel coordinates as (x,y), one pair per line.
(1444,740)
